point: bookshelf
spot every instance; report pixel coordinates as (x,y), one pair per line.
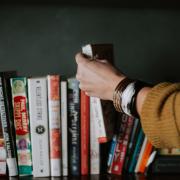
(37,38)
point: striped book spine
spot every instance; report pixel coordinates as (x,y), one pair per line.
(22,126)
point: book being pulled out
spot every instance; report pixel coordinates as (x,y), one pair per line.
(103,110)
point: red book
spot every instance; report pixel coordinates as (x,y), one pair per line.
(85,135)
(121,147)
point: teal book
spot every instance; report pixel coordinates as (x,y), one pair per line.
(136,152)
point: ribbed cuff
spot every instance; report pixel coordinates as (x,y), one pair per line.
(158,116)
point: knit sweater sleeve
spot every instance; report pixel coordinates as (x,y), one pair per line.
(160,115)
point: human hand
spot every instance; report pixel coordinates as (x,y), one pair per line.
(97,78)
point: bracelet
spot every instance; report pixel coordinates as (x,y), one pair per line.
(125,95)
(118,91)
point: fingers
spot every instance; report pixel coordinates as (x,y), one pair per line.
(80,58)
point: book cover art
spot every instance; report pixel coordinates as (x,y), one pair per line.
(22,126)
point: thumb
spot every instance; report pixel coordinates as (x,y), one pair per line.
(80,58)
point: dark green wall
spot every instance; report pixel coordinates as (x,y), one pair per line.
(37,40)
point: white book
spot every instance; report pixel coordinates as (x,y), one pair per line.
(54,124)
(64,128)
(94,144)
(140,155)
(37,90)
(97,106)
(98,115)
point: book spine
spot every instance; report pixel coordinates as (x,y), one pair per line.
(94,144)
(111,152)
(98,113)
(136,152)
(54,123)
(136,170)
(74,126)
(145,157)
(2,155)
(85,132)
(132,142)
(22,126)
(7,128)
(121,147)
(37,90)
(64,128)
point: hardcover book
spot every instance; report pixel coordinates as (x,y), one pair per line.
(38,110)
(22,126)
(85,132)
(2,153)
(74,126)
(64,128)
(54,123)
(6,112)
(106,112)
(94,143)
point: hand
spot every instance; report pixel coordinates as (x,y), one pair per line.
(97,78)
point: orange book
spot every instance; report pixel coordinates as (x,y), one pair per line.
(145,157)
(85,133)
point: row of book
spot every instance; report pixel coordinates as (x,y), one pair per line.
(50,127)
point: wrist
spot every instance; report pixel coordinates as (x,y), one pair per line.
(129,95)
(114,84)
(141,96)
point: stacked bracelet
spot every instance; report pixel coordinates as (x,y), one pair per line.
(125,94)
(118,91)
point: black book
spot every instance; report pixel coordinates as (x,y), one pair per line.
(6,112)
(73,94)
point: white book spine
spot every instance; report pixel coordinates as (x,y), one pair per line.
(37,90)
(64,128)
(54,123)
(94,144)
(98,114)
(97,107)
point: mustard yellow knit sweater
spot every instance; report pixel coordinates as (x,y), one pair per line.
(160,115)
